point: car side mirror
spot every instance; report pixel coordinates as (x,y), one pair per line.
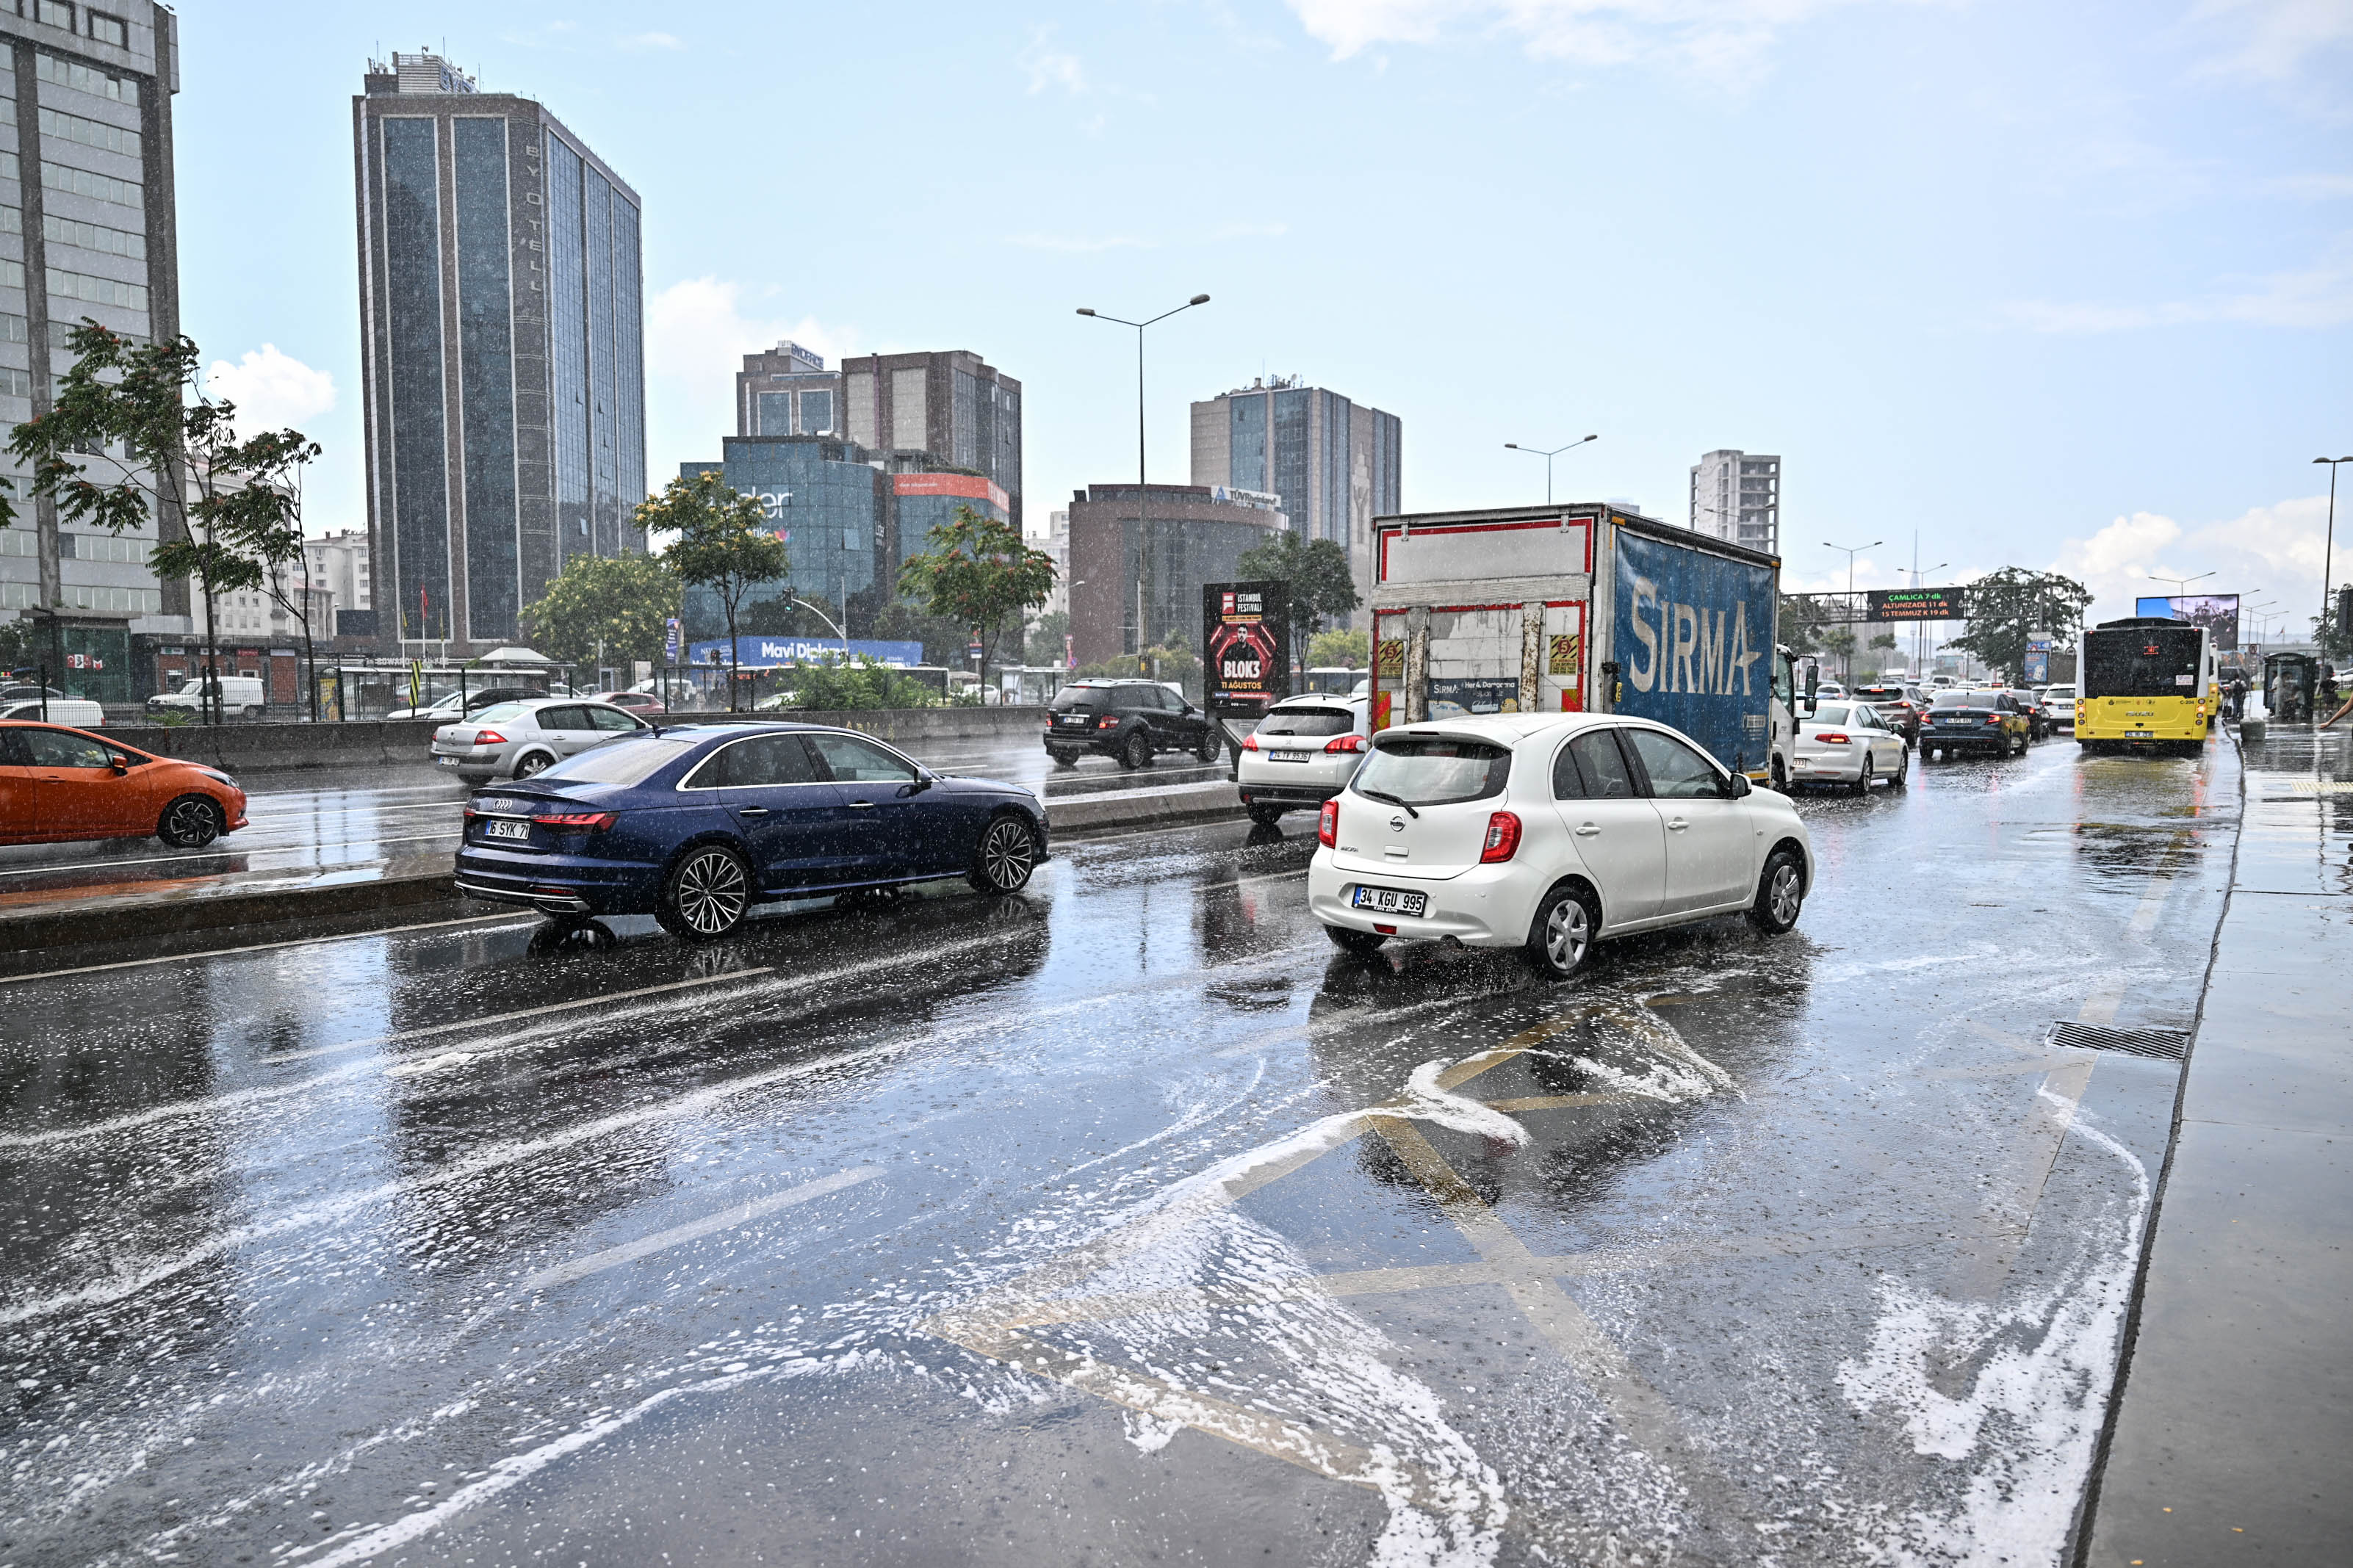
(1740,785)
(119,763)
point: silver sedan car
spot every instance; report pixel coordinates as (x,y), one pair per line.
(516,739)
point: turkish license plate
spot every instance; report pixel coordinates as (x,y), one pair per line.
(2140,734)
(496,828)
(1391,901)
(447,762)
(1289,756)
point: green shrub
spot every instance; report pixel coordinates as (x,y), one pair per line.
(866,684)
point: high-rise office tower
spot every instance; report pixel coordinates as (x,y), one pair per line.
(502,348)
(1737,497)
(1333,462)
(86,230)
(950,408)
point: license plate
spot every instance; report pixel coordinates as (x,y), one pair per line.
(497,830)
(1289,757)
(2140,734)
(1391,901)
(447,762)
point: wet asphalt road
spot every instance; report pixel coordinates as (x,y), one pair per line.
(1119,1222)
(316,823)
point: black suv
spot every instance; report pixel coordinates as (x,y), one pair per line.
(1132,721)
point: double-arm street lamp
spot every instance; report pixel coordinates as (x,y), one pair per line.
(1547,456)
(2181,584)
(1143,543)
(1846,665)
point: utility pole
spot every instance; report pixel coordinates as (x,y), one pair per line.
(1143,504)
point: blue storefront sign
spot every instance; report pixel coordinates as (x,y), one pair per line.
(769,653)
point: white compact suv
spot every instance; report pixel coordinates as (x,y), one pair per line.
(1547,832)
(2061,702)
(1303,753)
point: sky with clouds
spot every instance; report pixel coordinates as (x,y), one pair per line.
(2055,285)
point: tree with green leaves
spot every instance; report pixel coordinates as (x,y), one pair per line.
(1322,586)
(2011,607)
(1044,642)
(129,428)
(278,543)
(1352,648)
(1839,642)
(978,572)
(723,543)
(1801,621)
(605,605)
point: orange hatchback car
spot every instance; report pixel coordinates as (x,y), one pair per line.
(60,783)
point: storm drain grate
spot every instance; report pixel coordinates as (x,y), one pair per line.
(2167,1045)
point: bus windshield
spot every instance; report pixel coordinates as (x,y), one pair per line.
(2141,661)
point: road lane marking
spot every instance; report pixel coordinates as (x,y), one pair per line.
(264,947)
(725,1220)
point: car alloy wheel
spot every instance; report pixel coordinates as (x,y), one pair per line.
(1009,854)
(708,894)
(1780,893)
(190,822)
(1863,779)
(1903,772)
(1212,744)
(1137,752)
(1562,936)
(535,764)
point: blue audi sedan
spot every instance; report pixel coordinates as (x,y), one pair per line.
(694,823)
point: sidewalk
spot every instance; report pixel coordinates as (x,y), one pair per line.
(2232,1436)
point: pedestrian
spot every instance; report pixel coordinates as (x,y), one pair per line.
(2238,695)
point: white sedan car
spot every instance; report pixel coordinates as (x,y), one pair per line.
(1303,753)
(1849,743)
(1547,832)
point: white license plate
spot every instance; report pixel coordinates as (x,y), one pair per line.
(447,762)
(2140,734)
(1289,757)
(506,829)
(1391,901)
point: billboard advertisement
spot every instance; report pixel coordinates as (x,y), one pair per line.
(769,653)
(1246,646)
(2218,612)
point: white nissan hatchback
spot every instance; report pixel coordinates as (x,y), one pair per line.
(1547,833)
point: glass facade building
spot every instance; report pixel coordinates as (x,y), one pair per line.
(1333,462)
(87,231)
(503,353)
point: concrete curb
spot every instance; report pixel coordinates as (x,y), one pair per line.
(406,885)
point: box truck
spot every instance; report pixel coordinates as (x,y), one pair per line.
(1578,609)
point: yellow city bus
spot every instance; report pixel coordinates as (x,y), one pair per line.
(2146,684)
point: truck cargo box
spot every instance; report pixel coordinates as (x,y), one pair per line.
(1573,608)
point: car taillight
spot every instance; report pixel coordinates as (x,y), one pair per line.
(579,821)
(1250,743)
(1835,737)
(1327,826)
(1993,718)
(1108,721)
(1503,837)
(489,738)
(1339,744)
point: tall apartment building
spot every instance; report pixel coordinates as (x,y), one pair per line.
(1333,462)
(338,562)
(502,351)
(949,409)
(86,230)
(1737,497)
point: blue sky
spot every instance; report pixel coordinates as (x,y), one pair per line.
(2052,285)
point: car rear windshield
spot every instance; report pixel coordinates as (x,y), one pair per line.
(1307,722)
(2161,661)
(1964,700)
(500,714)
(1072,698)
(1830,713)
(2061,692)
(1434,770)
(630,760)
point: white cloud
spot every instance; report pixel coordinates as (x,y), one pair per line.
(1048,66)
(697,332)
(2273,38)
(653,41)
(271,389)
(1723,41)
(2266,552)
(2319,296)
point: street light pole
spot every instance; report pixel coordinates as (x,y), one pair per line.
(1846,663)
(1547,456)
(2181,584)
(2328,546)
(1143,543)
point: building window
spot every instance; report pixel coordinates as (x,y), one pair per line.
(82,182)
(66,285)
(89,236)
(775,411)
(90,132)
(55,13)
(816,413)
(86,79)
(109,29)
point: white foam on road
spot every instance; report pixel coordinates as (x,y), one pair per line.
(2027,1421)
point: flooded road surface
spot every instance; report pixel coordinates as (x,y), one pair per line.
(1124,1221)
(321,824)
